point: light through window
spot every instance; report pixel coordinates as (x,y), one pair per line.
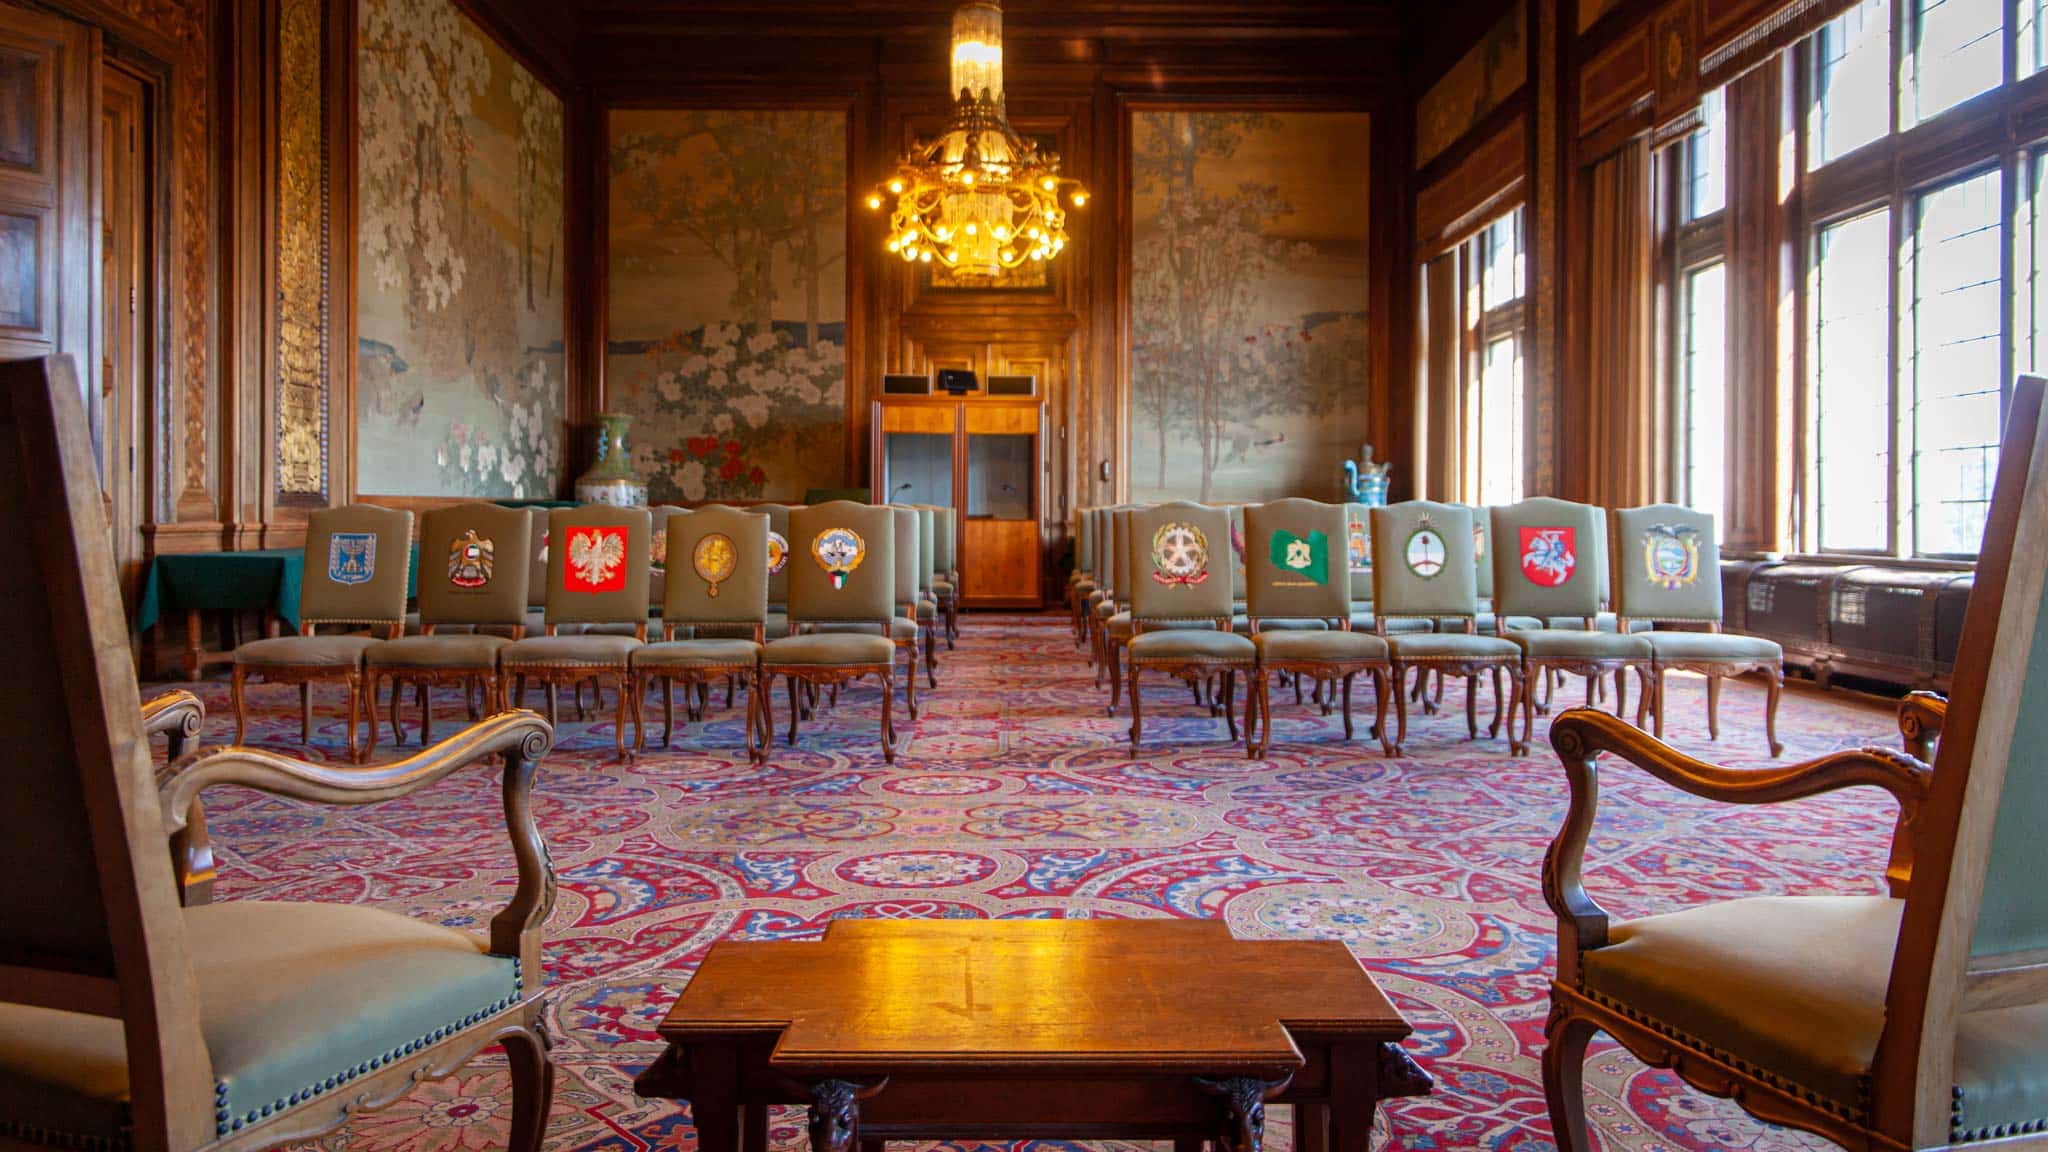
(1852,82)
(1706,379)
(1851,438)
(1958,52)
(1706,161)
(1954,381)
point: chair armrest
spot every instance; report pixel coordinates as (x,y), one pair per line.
(520,735)
(178,715)
(1921,715)
(1580,735)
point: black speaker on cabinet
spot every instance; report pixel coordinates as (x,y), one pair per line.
(906,384)
(1012,385)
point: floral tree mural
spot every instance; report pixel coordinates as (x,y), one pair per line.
(727,299)
(1248,320)
(460,385)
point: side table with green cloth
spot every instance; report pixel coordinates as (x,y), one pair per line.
(264,579)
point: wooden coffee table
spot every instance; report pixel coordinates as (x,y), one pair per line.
(1033,1029)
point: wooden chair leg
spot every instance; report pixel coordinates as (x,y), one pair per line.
(1493,732)
(1713,705)
(889,713)
(1400,711)
(235,684)
(1642,694)
(1258,725)
(1518,687)
(1137,710)
(353,686)
(796,705)
(668,711)
(1472,707)
(1657,704)
(1379,709)
(1346,705)
(370,679)
(1774,688)
(1621,691)
(306,712)
(426,699)
(619,736)
(1564,1088)
(1230,703)
(533,1086)
(1116,682)
(554,694)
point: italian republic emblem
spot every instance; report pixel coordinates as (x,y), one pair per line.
(839,551)
(1180,555)
(1671,555)
(714,559)
(778,552)
(470,559)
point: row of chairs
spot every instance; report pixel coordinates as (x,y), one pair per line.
(569,597)
(1327,592)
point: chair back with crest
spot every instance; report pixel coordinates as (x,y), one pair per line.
(1295,563)
(1422,561)
(844,569)
(1358,551)
(598,565)
(908,545)
(717,567)
(358,563)
(1667,564)
(1547,557)
(1180,563)
(1482,552)
(1969,980)
(537,557)
(927,547)
(473,566)
(779,551)
(92,924)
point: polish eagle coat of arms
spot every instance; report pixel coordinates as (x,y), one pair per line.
(596,560)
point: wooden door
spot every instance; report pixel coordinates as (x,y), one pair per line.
(1002,501)
(124,286)
(47,138)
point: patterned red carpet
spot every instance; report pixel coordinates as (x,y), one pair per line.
(1017,797)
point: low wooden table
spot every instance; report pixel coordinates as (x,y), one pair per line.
(1033,1029)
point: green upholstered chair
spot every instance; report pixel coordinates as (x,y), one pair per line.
(1912,1020)
(842,571)
(1667,564)
(127,1021)
(1179,558)
(536,571)
(1102,603)
(1081,583)
(1296,568)
(946,555)
(780,554)
(1546,568)
(902,629)
(715,581)
(473,575)
(928,620)
(356,568)
(597,576)
(1422,567)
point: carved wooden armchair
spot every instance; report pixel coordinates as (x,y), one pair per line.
(1917,1019)
(129,1022)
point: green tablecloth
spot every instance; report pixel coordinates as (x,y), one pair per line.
(266,579)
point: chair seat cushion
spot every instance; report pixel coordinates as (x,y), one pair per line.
(943,587)
(436,651)
(705,653)
(1792,984)
(304,651)
(1712,646)
(1451,646)
(1319,646)
(1105,608)
(1189,644)
(899,629)
(1362,621)
(927,610)
(1241,625)
(1084,586)
(1566,644)
(587,648)
(269,977)
(829,648)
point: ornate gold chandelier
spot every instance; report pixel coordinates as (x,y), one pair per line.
(979,198)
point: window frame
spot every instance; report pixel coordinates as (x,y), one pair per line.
(1482,326)
(1689,244)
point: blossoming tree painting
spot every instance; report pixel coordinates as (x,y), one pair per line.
(1248,303)
(460,381)
(727,291)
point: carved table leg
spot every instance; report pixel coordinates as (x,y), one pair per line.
(835,1113)
(1244,1110)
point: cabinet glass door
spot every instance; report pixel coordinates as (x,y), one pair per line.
(917,468)
(999,476)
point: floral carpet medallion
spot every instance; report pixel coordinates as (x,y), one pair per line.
(1017,797)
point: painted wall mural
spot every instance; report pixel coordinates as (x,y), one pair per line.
(1481,81)
(1248,303)
(727,299)
(460,380)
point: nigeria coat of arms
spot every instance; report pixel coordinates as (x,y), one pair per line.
(1180,555)
(1671,555)
(470,559)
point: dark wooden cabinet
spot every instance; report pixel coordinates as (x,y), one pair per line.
(984,457)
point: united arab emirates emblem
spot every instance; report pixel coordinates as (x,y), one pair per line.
(1671,555)
(1305,556)
(470,558)
(352,557)
(714,558)
(839,551)
(1180,555)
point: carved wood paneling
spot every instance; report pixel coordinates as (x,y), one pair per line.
(301,225)
(1485,179)
(1615,79)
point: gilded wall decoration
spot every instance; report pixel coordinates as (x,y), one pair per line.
(727,299)
(1248,303)
(1481,81)
(301,228)
(460,386)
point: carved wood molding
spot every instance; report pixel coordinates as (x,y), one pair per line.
(302,274)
